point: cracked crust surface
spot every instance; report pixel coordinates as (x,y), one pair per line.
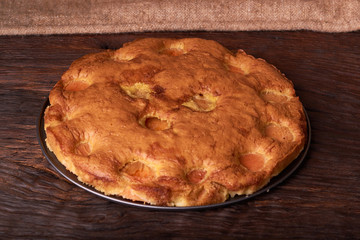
(174,122)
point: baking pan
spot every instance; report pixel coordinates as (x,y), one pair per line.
(287,172)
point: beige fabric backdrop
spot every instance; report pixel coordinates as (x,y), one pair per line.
(111,16)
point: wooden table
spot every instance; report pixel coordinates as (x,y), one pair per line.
(321,200)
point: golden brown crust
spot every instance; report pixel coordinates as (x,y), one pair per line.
(176,122)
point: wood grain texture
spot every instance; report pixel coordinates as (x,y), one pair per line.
(321,200)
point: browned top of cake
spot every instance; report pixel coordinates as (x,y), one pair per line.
(176,122)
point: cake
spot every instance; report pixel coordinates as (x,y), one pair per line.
(174,122)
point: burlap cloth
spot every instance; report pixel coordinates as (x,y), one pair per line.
(111,16)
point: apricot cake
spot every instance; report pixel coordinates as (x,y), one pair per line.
(174,122)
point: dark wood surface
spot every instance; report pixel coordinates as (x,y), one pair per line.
(320,201)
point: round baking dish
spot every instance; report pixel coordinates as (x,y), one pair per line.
(287,172)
